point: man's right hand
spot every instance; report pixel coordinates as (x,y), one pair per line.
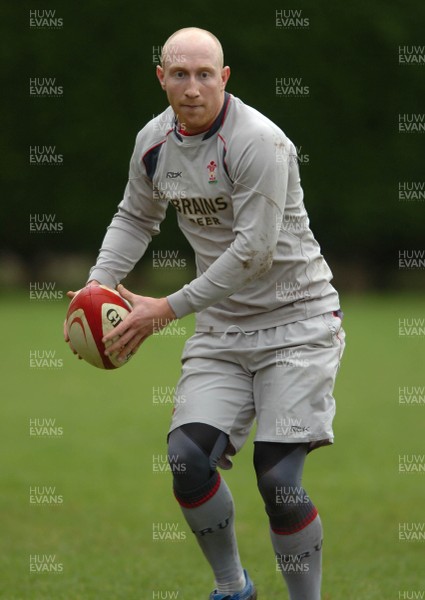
(71,295)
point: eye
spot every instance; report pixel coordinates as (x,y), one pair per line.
(205,75)
(179,74)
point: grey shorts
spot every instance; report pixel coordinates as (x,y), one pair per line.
(282,377)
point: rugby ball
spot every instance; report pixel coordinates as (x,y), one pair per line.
(93,312)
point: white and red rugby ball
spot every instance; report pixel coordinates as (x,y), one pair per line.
(95,311)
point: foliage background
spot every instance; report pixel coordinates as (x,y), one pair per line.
(347,125)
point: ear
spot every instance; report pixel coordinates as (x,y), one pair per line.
(160,75)
(225,74)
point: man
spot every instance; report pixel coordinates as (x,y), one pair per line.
(268,338)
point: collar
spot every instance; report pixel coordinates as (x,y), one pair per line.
(215,126)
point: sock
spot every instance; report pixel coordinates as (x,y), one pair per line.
(299,557)
(210,513)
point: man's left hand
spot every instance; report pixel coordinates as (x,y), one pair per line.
(148,315)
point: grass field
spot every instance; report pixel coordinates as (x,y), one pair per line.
(100,537)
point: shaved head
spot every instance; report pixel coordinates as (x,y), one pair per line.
(193,77)
(187,34)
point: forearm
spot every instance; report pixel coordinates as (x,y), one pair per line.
(125,242)
(120,251)
(249,257)
(225,277)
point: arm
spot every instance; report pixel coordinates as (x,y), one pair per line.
(137,220)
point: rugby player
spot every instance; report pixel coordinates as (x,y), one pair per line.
(268,339)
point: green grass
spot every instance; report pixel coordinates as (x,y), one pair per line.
(102,466)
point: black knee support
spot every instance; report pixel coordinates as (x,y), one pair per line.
(193,452)
(279,471)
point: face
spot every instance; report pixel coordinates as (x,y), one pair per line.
(194,81)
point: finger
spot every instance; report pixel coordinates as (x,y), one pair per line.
(119,331)
(126,326)
(126,294)
(129,351)
(73,350)
(65,331)
(137,343)
(125,343)
(71,294)
(117,343)
(68,341)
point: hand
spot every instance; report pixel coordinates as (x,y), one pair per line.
(71,294)
(148,315)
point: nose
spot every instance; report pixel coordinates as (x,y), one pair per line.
(192,90)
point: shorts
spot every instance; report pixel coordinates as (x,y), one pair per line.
(282,377)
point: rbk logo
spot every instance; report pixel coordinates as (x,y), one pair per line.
(173,174)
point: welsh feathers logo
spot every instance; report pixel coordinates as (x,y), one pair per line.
(212,166)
